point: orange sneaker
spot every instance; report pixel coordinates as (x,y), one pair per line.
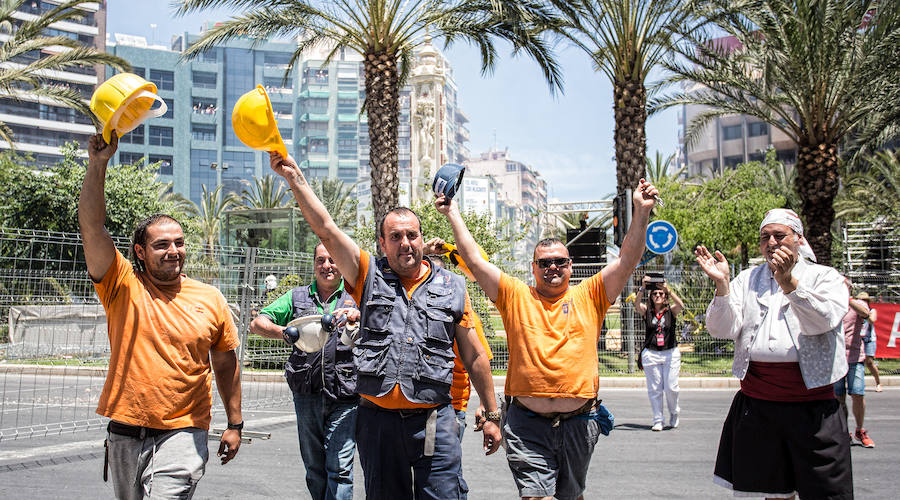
(863,437)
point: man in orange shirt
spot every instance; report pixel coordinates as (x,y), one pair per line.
(553,418)
(165,330)
(411,315)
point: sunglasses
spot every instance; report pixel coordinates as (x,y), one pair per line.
(658,293)
(558,262)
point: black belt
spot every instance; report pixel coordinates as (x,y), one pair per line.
(134,431)
(430,422)
(556,416)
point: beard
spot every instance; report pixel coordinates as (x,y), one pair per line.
(168,273)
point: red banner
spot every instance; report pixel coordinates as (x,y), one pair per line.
(887,330)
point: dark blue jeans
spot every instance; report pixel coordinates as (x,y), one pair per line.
(326,431)
(391,450)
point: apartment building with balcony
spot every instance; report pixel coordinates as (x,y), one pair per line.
(40,128)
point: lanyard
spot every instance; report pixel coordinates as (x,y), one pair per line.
(332,303)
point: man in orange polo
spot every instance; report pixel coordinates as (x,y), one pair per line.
(553,417)
(412,313)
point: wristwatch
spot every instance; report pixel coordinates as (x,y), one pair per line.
(238,427)
(493,416)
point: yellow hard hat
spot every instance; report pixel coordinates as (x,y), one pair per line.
(254,122)
(455,258)
(123,102)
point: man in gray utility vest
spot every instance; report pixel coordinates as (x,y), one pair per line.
(412,312)
(323,382)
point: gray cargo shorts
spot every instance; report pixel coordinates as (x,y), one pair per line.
(548,460)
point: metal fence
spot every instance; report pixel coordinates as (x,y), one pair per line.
(54,349)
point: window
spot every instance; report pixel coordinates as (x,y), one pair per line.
(130,158)
(204,79)
(165,80)
(136,136)
(733,161)
(316,76)
(758,128)
(277,83)
(512,167)
(286,133)
(731,132)
(160,136)
(203,106)
(201,132)
(209,56)
(137,70)
(164,161)
(318,145)
(170,111)
(201,173)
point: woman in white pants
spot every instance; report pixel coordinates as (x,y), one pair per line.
(660,357)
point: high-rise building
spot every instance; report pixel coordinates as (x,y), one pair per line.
(40,128)
(729,140)
(521,198)
(317,107)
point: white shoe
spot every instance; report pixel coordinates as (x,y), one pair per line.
(673,421)
(657,427)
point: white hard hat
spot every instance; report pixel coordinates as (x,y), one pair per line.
(312,336)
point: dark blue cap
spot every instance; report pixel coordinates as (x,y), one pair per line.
(448,179)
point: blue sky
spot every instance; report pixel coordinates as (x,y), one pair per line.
(568,138)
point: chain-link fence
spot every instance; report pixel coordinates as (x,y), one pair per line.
(54,349)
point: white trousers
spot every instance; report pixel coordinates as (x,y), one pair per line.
(661,369)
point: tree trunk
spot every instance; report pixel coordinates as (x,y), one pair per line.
(383,109)
(630,105)
(817,184)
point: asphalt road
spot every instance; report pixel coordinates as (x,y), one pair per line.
(631,463)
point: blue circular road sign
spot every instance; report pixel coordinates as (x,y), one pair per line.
(661,237)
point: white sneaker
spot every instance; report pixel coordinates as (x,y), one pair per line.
(673,421)
(657,427)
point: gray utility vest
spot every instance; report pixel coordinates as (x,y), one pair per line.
(329,370)
(408,341)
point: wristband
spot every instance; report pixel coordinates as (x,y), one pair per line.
(493,416)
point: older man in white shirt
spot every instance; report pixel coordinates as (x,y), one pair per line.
(785,433)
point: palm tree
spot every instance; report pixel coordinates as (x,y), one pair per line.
(386,32)
(872,192)
(658,168)
(212,209)
(265,192)
(338,199)
(824,72)
(175,203)
(24,75)
(626,40)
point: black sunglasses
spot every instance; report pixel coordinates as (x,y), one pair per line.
(558,262)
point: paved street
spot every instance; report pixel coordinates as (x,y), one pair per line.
(632,462)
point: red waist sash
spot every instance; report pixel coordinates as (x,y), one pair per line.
(780,382)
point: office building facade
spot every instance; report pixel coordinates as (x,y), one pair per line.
(39,127)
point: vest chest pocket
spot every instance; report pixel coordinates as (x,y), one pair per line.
(439,325)
(378,314)
(435,365)
(371,357)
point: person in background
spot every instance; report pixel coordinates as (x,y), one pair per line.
(660,357)
(855,380)
(323,383)
(870,340)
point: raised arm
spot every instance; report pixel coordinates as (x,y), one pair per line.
(486,274)
(616,274)
(99,250)
(677,304)
(639,305)
(342,248)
